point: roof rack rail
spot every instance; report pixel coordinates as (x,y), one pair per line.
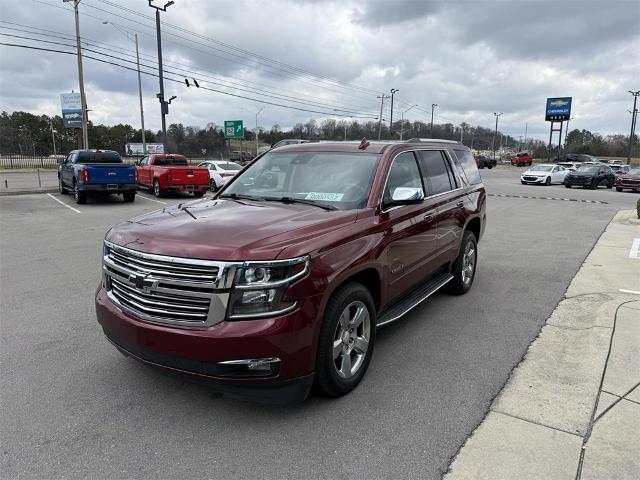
(427,140)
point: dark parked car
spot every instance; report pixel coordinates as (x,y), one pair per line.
(630,180)
(482,162)
(87,172)
(590,176)
(280,281)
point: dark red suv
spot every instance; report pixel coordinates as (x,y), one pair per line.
(279,281)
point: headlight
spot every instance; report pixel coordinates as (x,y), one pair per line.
(259,287)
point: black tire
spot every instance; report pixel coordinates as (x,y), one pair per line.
(523,182)
(489,166)
(547,182)
(460,285)
(610,185)
(618,189)
(129,197)
(594,184)
(157,191)
(80,196)
(213,186)
(198,194)
(568,185)
(328,381)
(63,190)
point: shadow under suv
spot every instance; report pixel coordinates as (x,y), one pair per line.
(279,281)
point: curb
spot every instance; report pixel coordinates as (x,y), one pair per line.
(28,192)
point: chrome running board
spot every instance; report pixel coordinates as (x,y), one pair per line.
(413,299)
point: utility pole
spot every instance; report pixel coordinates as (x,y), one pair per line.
(257,113)
(135,36)
(402,119)
(566,132)
(382,97)
(164,104)
(493,142)
(393,92)
(526,127)
(633,124)
(83,99)
(433,107)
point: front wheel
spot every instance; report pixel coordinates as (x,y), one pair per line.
(489,166)
(198,194)
(568,185)
(464,268)
(346,340)
(523,182)
(547,182)
(594,184)
(610,185)
(618,189)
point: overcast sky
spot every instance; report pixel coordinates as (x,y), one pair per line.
(472,58)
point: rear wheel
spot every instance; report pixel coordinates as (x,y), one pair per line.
(213,185)
(618,189)
(129,197)
(346,340)
(489,166)
(198,194)
(80,196)
(157,191)
(464,268)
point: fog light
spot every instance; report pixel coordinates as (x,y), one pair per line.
(253,297)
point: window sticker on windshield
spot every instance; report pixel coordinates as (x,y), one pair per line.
(327,197)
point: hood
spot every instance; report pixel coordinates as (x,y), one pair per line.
(581,173)
(535,173)
(627,176)
(229,230)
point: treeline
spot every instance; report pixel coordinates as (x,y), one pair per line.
(28,134)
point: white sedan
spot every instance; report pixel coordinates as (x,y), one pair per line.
(545,174)
(220,172)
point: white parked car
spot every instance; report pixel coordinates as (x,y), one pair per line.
(220,172)
(545,174)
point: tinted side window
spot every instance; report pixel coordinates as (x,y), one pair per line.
(404,173)
(437,174)
(468,166)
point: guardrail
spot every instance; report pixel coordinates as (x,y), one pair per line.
(23,161)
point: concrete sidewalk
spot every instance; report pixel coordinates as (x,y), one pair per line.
(571,409)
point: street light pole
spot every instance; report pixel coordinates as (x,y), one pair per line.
(633,124)
(393,92)
(83,99)
(135,36)
(402,119)
(493,142)
(164,105)
(53,136)
(433,107)
(257,113)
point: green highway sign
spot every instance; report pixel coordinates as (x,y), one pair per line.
(233,129)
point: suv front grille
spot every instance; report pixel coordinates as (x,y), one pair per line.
(164,289)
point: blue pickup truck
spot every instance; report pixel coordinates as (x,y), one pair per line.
(97,171)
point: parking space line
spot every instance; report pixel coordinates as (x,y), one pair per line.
(624,290)
(150,199)
(508,195)
(635,248)
(64,204)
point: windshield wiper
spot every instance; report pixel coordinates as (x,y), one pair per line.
(300,200)
(235,196)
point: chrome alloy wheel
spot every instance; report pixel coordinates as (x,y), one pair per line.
(351,339)
(468,263)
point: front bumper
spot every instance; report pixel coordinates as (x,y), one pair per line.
(531,179)
(635,184)
(198,354)
(108,187)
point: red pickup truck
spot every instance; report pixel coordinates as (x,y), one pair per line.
(169,172)
(522,158)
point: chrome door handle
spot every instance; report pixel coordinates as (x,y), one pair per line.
(460,204)
(428,217)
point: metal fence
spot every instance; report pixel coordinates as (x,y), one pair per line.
(24,161)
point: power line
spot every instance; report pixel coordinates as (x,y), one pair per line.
(181,81)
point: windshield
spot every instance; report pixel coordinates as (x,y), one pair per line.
(229,166)
(98,157)
(542,168)
(589,169)
(341,180)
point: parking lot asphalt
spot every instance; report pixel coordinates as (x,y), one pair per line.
(73,407)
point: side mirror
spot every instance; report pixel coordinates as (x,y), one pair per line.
(406,196)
